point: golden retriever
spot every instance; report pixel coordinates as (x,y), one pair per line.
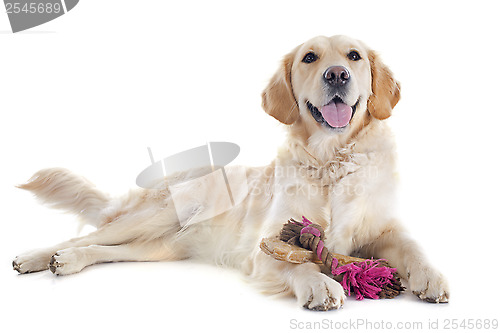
(337,168)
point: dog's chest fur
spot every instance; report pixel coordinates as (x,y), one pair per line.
(341,192)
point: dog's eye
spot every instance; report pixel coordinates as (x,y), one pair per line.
(310,57)
(354,56)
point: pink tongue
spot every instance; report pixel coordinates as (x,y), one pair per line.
(336,114)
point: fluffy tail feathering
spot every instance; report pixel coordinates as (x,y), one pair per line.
(59,188)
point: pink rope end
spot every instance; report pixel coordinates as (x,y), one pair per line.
(365,279)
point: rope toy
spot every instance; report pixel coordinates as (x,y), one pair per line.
(363,277)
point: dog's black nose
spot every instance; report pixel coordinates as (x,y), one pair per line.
(336,75)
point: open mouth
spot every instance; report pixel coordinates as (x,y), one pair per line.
(336,114)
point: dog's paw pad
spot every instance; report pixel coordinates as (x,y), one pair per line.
(30,262)
(442,297)
(54,264)
(430,286)
(67,261)
(325,294)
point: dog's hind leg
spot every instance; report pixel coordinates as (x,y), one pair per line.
(38,260)
(74,259)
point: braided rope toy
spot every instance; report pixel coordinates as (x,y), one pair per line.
(363,277)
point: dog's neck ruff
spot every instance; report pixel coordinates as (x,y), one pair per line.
(341,162)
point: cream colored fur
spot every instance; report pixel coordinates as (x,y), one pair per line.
(343,179)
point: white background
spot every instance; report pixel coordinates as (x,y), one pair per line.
(91,90)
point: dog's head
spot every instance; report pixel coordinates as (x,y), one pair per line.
(332,84)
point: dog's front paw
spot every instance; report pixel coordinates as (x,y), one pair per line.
(321,293)
(429,285)
(29,262)
(67,261)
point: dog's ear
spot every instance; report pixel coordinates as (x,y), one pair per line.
(385,89)
(278,99)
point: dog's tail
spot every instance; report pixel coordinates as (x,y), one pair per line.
(59,188)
